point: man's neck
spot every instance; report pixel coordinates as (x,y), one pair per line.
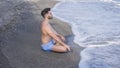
(46,19)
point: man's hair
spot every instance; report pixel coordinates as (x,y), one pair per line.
(45,11)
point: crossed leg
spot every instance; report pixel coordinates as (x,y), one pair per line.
(59,48)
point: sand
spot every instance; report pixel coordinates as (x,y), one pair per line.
(20,38)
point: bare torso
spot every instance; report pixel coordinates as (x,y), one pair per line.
(45,37)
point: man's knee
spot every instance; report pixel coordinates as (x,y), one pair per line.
(64,49)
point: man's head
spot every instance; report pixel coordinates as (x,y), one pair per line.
(46,13)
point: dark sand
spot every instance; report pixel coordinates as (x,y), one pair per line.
(20,38)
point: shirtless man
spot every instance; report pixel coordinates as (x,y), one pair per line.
(51,40)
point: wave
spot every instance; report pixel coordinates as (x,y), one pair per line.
(95,26)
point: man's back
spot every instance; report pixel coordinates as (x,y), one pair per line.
(45,37)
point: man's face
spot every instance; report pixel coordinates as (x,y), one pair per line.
(49,15)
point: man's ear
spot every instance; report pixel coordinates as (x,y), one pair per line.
(46,15)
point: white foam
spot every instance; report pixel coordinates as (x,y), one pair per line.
(85,0)
(88,16)
(117,2)
(100,57)
(95,26)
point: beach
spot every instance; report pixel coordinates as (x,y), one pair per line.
(20,37)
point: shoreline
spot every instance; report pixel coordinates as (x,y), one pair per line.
(22,43)
(96,41)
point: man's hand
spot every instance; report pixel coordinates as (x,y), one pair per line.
(68,48)
(65,45)
(61,37)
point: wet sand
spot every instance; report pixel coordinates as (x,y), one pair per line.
(20,39)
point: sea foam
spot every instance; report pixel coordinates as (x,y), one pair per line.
(96,26)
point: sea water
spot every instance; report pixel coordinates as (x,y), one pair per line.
(96,26)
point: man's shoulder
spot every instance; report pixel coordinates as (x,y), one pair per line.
(45,27)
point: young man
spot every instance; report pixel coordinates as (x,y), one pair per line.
(51,40)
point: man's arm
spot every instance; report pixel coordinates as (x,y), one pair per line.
(60,36)
(54,36)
